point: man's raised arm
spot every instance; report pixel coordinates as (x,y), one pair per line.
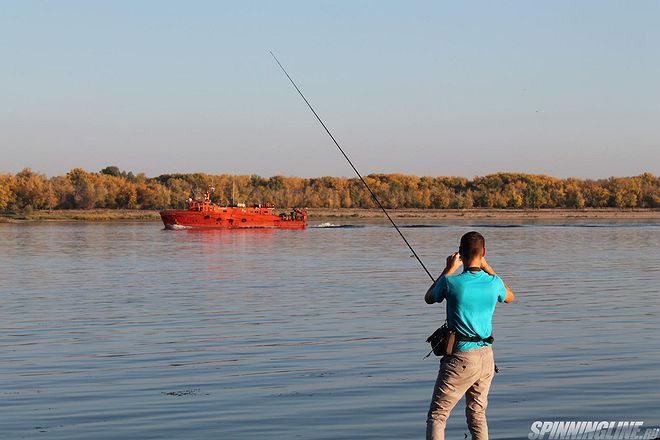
(453,263)
(510,296)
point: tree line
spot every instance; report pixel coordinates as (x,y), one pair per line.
(112,188)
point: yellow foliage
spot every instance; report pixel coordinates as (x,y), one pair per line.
(116,189)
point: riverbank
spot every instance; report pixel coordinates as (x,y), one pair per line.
(485,213)
(82,215)
(109,215)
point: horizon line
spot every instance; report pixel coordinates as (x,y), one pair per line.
(136,173)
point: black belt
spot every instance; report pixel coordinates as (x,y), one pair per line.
(462,338)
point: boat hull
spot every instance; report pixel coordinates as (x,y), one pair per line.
(230,218)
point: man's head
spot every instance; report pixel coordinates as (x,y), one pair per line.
(473,246)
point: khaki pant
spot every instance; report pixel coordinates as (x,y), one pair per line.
(468,372)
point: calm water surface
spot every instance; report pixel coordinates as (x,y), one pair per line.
(128,331)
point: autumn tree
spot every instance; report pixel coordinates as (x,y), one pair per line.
(6,191)
(31,191)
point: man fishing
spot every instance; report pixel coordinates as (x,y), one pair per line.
(471,297)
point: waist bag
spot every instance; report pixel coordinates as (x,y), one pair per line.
(443,341)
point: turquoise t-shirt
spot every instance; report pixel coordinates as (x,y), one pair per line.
(471,299)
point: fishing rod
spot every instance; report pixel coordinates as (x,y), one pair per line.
(373,195)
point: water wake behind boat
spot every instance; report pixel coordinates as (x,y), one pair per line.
(334,226)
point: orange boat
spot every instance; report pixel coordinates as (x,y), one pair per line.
(204,214)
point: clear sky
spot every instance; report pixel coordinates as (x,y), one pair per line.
(566,88)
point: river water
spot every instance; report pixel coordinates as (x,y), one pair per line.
(128,331)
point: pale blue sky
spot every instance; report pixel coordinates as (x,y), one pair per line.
(567,88)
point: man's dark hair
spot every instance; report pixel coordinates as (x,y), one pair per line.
(472,246)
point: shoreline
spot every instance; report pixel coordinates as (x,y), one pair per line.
(82,215)
(113,215)
(488,213)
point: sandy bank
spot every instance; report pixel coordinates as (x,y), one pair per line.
(495,214)
(94,215)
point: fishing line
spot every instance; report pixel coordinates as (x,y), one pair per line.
(353,166)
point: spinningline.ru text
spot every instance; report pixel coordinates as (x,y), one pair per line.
(596,430)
